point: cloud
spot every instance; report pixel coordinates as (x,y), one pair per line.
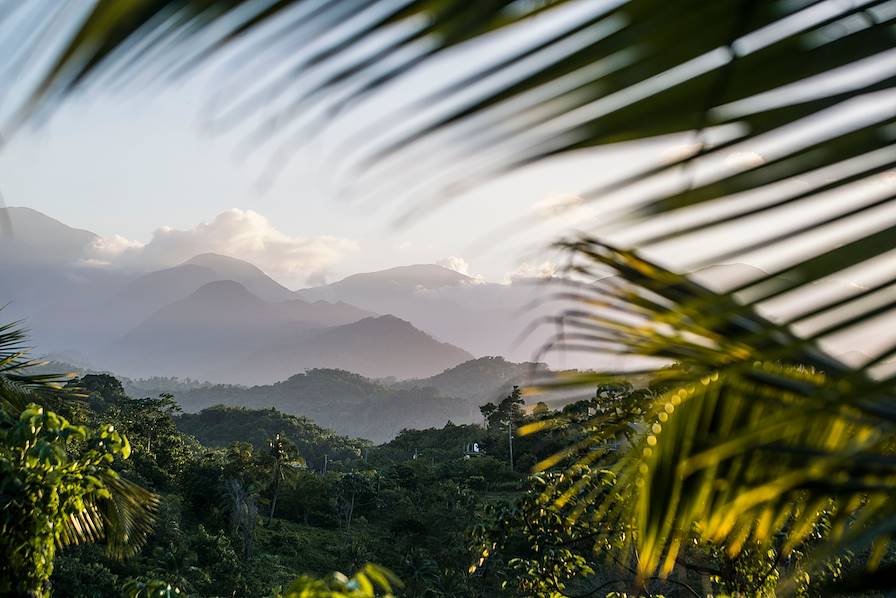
(461,266)
(527,270)
(458,264)
(242,234)
(103,251)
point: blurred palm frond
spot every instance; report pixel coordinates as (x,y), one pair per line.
(18,386)
(753,432)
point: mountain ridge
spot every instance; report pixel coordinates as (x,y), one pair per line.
(224,332)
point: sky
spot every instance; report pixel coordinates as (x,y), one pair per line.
(146,168)
(140,167)
(129,167)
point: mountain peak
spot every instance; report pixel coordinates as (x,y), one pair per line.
(433,274)
(250,275)
(414,276)
(224,290)
(217,261)
(34,237)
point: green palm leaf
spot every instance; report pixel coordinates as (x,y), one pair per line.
(18,386)
(758,432)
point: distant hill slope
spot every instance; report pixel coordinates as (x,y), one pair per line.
(154,290)
(342,401)
(189,336)
(224,332)
(355,405)
(323,313)
(484,318)
(383,284)
(375,347)
(480,380)
(28,237)
(250,276)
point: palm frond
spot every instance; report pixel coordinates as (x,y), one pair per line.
(757,432)
(18,386)
(128,516)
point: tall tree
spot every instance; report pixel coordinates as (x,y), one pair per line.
(285,464)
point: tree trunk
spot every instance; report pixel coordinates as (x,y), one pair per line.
(274,498)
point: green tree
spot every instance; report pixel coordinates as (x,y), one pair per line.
(57,482)
(285,464)
(510,409)
(152,588)
(57,487)
(370,581)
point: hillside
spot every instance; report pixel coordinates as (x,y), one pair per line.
(195,334)
(484,318)
(212,333)
(250,276)
(374,347)
(345,402)
(221,426)
(30,237)
(480,380)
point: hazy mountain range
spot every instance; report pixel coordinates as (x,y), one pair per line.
(349,403)
(221,318)
(357,405)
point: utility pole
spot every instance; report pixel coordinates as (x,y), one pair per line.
(325,464)
(510,440)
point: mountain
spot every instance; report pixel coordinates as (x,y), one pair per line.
(189,336)
(323,313)
(484,318)
(250,276)
(224,332)
(141,297)
(384,284)
(30,237)
(339,400)
(48,281)
(150,292)
(154,290)
(479,380)
(374,347)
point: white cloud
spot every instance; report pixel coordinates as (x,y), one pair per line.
(458,264)
(461,266)
(527,270)
(104,250)
(242,234)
